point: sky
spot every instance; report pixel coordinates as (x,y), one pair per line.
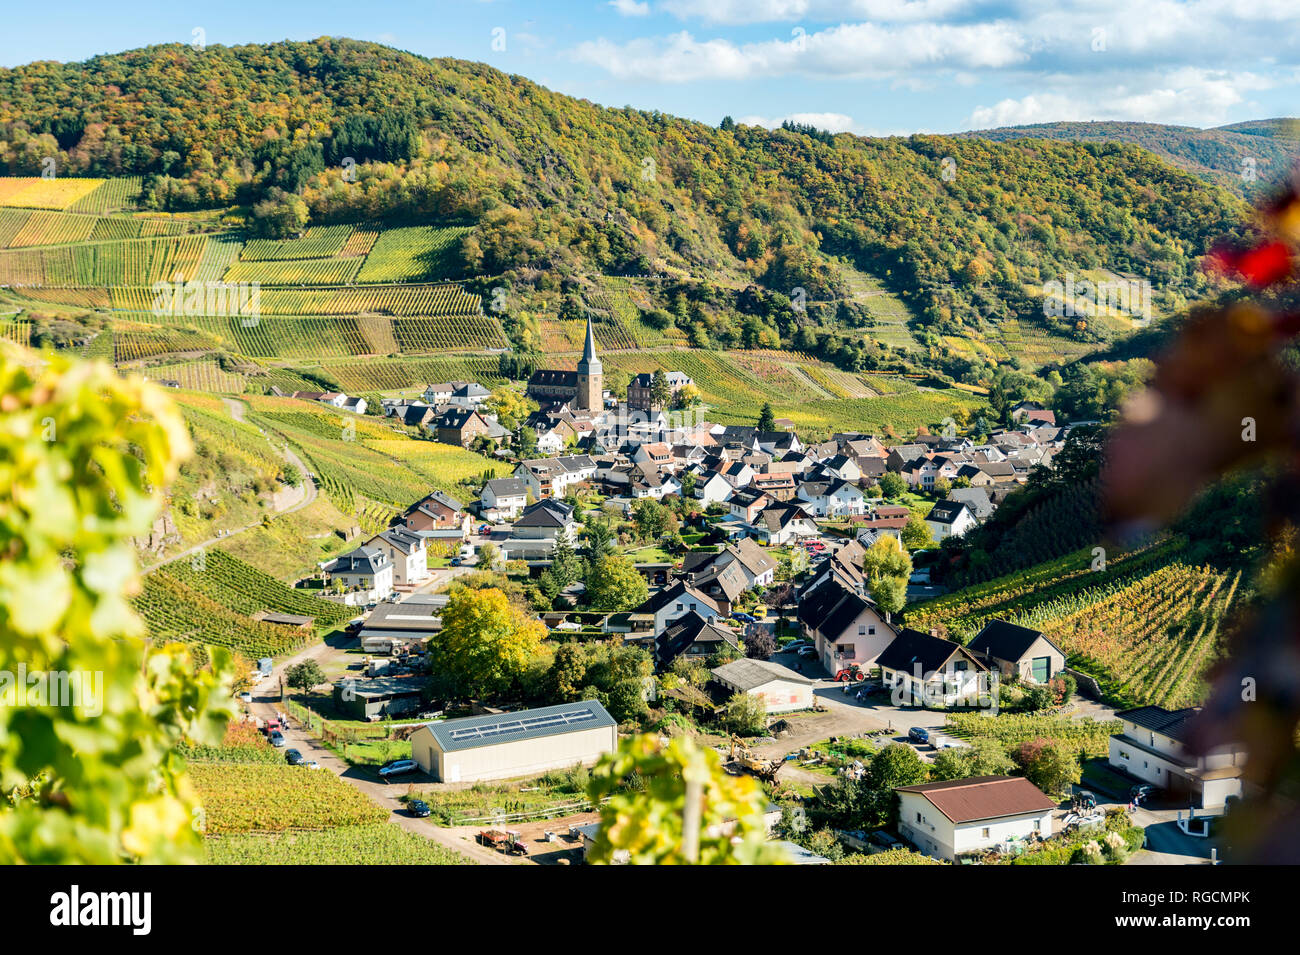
(873,67)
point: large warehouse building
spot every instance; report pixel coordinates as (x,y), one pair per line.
(506,745)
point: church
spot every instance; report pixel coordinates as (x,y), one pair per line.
(582,390)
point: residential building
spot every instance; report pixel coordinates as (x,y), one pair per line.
(504,497)
(1018,652)
(957,817)
(692,636)
(366,569)
(925,670)
(949,519)
(847,629)
(676,601)
(1153,748)
(640,390)
(832,498)
(408,552)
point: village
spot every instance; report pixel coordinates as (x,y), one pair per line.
(752,585)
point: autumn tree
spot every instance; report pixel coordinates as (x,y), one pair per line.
(485,643)
(614,583)
(887,566)
(1047,764)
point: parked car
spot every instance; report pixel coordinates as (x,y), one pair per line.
(397,767)
(419,808)
(806,653)
(794,646)
(293,757)
(456,562)
(743,617)
(919,734)
(309,764)
(1141,793)
(760,612)
(246,697)
(272,726)
(885,840)
(277,738)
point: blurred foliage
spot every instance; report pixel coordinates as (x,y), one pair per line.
(91,777)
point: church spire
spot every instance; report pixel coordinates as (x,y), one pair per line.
(590,363)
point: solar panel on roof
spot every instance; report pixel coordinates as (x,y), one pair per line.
(506,726)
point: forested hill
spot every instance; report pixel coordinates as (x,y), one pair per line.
(1243,157)
(552,183)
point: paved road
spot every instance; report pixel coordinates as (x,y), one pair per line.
(307,493)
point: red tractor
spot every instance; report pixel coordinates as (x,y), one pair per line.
(853,673)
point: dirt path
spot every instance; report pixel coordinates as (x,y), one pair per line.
(307,492)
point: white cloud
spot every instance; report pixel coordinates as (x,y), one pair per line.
(631,8)
(1186,97)
(814,11)
(861,50)
(832,122)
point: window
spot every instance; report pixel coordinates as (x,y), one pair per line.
(862,630)
(1123,755)
(1038,825)
(918,817)
(679,605)
(985,832)
(871,630)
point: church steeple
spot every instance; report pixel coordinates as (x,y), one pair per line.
(591,375)
(590,363)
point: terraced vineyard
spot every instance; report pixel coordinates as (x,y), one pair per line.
(302,271)
(172,610)
(246,590)
(360,460)
(413,254)
(318,242)
(138,262)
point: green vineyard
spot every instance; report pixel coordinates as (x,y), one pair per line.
(1147,626)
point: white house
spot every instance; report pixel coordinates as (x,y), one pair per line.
(713,488)
(1153,748)
(504,497)
(677,601)
(957,817)
(949,519)
(367,570)
(552,477)
(408,552)
(832,498)
(781,689)
(924,670)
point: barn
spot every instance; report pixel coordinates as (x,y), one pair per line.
(507,745)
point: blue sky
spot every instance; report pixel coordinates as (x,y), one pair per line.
(867,66)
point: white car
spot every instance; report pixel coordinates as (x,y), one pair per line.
(397,767)
(246,697)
